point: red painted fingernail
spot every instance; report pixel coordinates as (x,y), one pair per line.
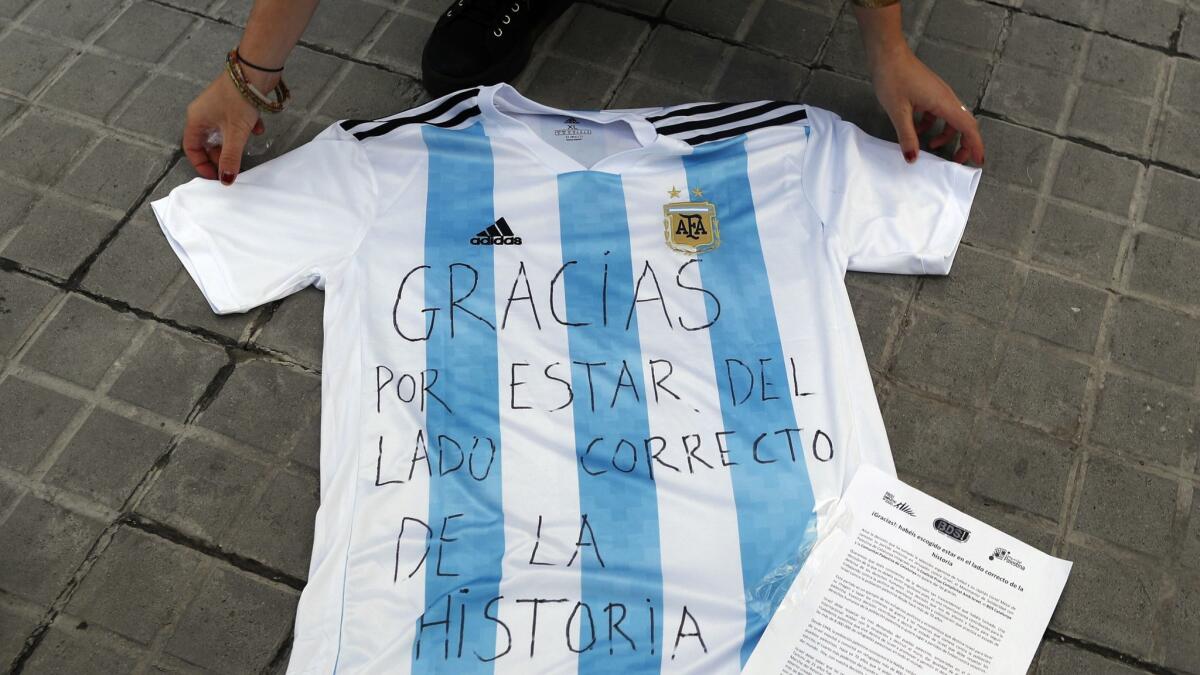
(227,178)
(910,156)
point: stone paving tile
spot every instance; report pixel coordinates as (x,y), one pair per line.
(1095,178)
(402,41)
(17,621)
(168,372)
(852,99)
(145,30)
(21,300)
(1109,600)
(601,37)
(189,308)
(107,458)
(94,85)
(201,489)
(1079,242)
(792,31)
(70,18)
(26,60)
(201,52)
(1000,216)
(670,56)
(158,110)
(1057,658)
(57,235)
(34,418)
(269,406)
(1178,141)
(367,93)
(929,438)
(40,148)
(1174,202)
(81,342)
(1145,419)
(115,173)
(137,266)
(1182,626)
(1166,269)
(1126,506)
(947,354)
(1157,341)
(70,649)
(1061,311)
(1189,551)
(1048,386)
(1020,467)
(289,504)
(44,544)
(1041,387)
(296,328)
(752,76)
(981,283)
(236,622)
(876,314)
(1189,37)
(136,586)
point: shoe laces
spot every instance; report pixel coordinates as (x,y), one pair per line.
(496,15)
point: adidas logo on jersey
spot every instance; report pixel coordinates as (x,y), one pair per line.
(497,234)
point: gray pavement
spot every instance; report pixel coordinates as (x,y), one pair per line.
(158,464)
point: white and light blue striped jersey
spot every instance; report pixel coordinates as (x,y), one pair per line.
(591,380)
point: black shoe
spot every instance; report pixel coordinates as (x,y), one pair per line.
(481,42)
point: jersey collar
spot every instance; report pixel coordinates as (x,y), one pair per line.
(496,101)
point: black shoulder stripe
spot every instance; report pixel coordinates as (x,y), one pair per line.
(441,108)
(697,109)
(458,119)
(724,119)
(737,131)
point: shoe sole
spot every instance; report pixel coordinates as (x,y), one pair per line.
(440,84)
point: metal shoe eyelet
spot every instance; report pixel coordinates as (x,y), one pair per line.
(505,20)
(450,12)
(515,8)
(498,32)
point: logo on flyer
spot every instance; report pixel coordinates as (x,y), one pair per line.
(890,500)
(1003,554)
(951,530)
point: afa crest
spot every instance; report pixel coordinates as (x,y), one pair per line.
(691,227)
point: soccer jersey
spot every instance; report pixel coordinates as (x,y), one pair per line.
(591,379)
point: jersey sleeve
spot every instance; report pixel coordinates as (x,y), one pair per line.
(281,226)
(882,213)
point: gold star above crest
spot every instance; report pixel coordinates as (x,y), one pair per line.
(673,192)
(697,193)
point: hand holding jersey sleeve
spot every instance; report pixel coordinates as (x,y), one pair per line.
(884,214)
(282,226)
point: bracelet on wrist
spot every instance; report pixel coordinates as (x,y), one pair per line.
(233,66)
(242,60)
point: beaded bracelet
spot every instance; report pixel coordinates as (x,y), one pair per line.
(233,67)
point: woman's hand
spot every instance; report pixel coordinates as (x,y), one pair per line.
(221,107)
(905,86)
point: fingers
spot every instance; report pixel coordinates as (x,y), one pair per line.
(906,133)
(947,134)
(961,120)
(193,147)
(928,119)
(234,142)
